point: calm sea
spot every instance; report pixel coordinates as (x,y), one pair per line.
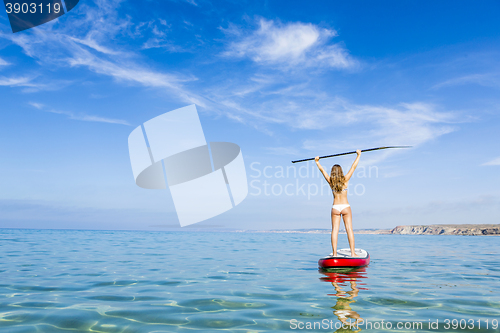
(128,281)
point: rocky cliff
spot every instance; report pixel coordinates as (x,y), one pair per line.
(448,229)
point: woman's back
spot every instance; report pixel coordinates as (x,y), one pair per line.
(340,197)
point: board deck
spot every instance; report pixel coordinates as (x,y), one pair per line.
(344,259)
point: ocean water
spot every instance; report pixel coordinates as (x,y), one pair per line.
(128,281)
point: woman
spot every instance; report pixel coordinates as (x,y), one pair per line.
(339,183)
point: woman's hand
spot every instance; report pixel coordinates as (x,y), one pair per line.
(316,159)
(358,152)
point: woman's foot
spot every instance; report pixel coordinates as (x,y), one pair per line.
(353,254)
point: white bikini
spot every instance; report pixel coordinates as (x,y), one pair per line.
(341,207)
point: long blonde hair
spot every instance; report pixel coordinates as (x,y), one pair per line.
(337,179)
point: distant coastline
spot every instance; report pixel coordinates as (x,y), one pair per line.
(448,229)
(434,229)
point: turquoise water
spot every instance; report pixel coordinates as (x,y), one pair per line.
(127,281)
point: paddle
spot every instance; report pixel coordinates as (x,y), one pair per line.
(351,152)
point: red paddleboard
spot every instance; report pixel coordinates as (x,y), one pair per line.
(344,259)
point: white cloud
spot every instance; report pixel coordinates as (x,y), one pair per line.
(292,44)
(82,45)
(80,116)
(485,80)
(31,83)
(20,81)
(303,106)
(156,33)
(409,124)
(3,62)
(364,126)
(125,72)
(93,44)
(99,119)
(331,123)
(39,106)
(162,43)
(496,161)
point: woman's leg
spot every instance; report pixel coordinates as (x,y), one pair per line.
(347,216)
(335,230)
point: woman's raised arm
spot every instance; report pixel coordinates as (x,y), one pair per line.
(320,167)
(354,165)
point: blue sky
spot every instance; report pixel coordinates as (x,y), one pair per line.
(281,79)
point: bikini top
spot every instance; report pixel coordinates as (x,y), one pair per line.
(345,189)
(342,190)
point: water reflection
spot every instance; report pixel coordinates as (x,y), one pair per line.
(346,278)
